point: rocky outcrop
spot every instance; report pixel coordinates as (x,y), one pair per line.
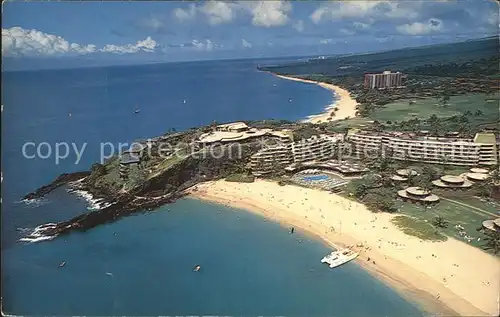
(61,180)
(155,192)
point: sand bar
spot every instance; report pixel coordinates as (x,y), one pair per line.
(344,102)
(448,277)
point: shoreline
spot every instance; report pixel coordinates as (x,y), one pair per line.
(345,104)
(462,293)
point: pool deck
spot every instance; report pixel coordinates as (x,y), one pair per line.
(325,180)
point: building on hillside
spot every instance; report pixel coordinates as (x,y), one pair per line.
(232,127)
(387,79)
(239,132)
(314,149)
(126,160)
(270,159)
(482,150)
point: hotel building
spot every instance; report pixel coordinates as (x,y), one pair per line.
(482,150)
(316,148)
(384,80)
(238,132)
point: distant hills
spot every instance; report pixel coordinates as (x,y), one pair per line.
(395,60)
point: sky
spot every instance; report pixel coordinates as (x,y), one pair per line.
(199,30)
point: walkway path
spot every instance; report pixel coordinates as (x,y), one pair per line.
(482,212)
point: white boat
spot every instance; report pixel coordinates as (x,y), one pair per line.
(337,258)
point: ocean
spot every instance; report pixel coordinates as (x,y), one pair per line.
(142,265)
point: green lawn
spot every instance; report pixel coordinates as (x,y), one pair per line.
(341,125)
(418,228)
(424,108)
(465,198)
(453,213)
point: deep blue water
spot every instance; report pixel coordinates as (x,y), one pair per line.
(249,266)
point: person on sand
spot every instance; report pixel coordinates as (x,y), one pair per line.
(292,231)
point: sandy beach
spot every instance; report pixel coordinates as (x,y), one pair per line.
(344,103)
(448,277)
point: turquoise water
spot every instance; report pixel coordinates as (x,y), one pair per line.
(316,177)
(249,267)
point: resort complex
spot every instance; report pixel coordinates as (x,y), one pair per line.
(419,147)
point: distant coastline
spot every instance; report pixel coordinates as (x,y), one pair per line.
(458,280)
(344,103)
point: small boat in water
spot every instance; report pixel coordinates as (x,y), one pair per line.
(337,258)
(184,101)
(137,110)
(196,268)
(63,263)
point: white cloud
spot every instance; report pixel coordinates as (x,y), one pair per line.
(326,41)
(218,12)
(245,43)
(299,26)
(421,28)
(266,13)
(380,9)
(183,15)
(19,41)
(269,13)
(492,19)
(148,45)
(204,45)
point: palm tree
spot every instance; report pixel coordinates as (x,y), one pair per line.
(434,123)
(445,100)
(478,113)
(492,241)
(440,222)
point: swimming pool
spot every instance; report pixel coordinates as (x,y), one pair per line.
(321,177)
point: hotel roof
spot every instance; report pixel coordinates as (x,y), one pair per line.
(399,178)
(477,176)
(417,191)
(135,148)
(406,172)
(418,194)
(233,125)
(483,138)
(128,158)
(493,225)
(452,179)
(227,136)
(479,170)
